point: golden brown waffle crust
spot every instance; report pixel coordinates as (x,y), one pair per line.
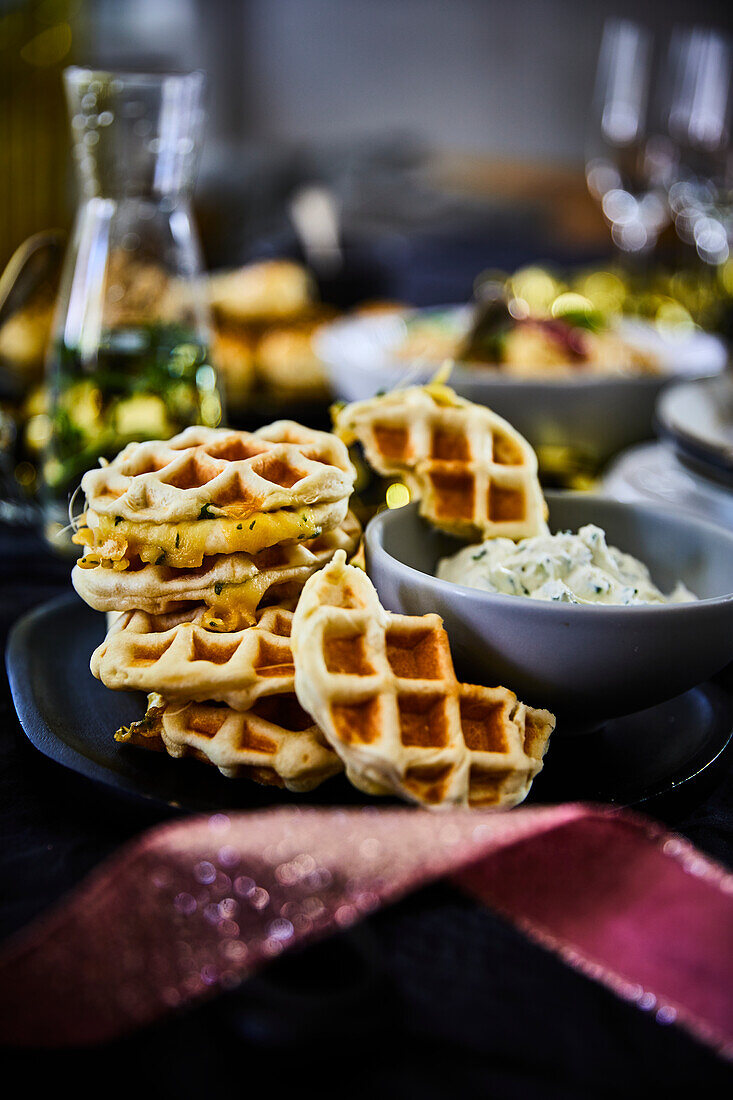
(244,578)
(383,689)
(472,472)
(176,655)
(278,746)
(221,473)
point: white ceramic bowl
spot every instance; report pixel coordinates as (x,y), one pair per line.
(596,416)
(587,663)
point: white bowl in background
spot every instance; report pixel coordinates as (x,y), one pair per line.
(597,416)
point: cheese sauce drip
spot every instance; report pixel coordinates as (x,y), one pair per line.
(565,568)
(185,544)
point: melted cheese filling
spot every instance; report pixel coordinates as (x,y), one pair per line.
(234,605)
(185,544)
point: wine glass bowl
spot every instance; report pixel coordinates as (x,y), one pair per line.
(627,164)
(698,122)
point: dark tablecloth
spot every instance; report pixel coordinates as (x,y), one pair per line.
(434,996)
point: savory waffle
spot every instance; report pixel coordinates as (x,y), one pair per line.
(231,585)
(214,491)
(473,474)
(274,742)
(178,656)
(383,689)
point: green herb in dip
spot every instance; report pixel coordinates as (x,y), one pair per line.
(564,567)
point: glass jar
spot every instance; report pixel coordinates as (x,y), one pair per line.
(129,359)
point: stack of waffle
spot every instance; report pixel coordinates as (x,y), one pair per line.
(223,557)
(199,547)
(265,317)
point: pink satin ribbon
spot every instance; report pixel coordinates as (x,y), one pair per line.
(194,907)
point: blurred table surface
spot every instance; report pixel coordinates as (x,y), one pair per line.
(557,191)
(433,996)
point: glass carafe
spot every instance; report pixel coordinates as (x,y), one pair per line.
(129,360)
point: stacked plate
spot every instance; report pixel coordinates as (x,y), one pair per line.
(691,465)
(697,417)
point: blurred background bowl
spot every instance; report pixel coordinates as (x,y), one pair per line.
(595,415)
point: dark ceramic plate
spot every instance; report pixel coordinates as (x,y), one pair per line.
(70,717)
